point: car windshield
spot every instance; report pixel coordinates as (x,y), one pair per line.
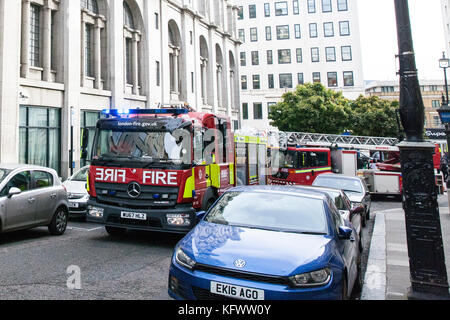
(270,211)
(337,198)
(3,174)
(81,175)
(157,146)
(348,185)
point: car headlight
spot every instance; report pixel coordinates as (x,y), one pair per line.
(312,279)
(96,212)
(183,259)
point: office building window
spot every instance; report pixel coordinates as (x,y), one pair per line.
(244,85)
(342,5)
(252,11)
(257,111)
(241,33)
(330,53)
(315,55)
(158,73)
(281,8)
(295,6)
(313,30)
(436,103)
(299,55)
(35,36)
(298,33)
(256,82)
(311,6)
(267,9)
(88,122)
(328,29)
(348,79)
(271,81)
(241,13)
(245,111)
(286,80)
(326,6)
(255,58)
(316,77)
(332,79)
(40,136)
(282,32)
(300,78)
(268,33)
(253,34)
(346,52)
(243,59)
(269,106)
(269,57)
(344,28)
(284,56)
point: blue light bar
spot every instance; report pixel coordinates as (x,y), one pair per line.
(126,112)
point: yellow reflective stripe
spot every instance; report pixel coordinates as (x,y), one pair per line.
(215,175)
(315,170)
(87,184)
(190,186)
(232,174)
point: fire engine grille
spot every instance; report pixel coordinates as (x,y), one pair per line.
(151,197)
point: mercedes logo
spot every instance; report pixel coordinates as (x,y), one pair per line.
(240,263)
(134,190)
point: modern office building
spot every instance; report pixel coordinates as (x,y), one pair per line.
(63,61)
(431,90)
(286,43)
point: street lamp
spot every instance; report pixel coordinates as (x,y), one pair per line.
(444,63)
(428,273)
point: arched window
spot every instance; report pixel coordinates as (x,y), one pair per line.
(93,40)
(219,76)
(204,73)
(174,61)
(128,20)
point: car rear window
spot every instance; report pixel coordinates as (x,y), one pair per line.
(271,211)
(349,185)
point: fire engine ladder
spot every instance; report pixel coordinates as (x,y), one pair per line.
(286,139)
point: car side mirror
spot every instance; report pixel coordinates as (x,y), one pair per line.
(345,233)
(200,215)
(14,192)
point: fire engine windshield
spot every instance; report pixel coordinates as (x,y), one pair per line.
(159,147)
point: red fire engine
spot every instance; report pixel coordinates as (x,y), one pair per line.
(154,169)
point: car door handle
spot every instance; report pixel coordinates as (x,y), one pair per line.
(31,200)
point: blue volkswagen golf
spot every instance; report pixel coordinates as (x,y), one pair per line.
(268,243)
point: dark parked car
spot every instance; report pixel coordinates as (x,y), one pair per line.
(344,205)
(355,188)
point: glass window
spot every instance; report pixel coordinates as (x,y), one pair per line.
(244,82)
(316,77)
(43,179)
(245,111)
(35,36)
(300,78)
(271,81)
(89,121)
(326,6)
(269,57)
(347,185)
(252,11)
(241,13)
(342,5)
(332,79)
(299,54)
(436,103)
(21,181)
(243,59)
(313,30)
(281,8)
(295,7)
(268,33)
(241,35)
(267,9)
(311,6)
(330,54)
(270,105)
(286,80)
(315,55)
(344,28)
(298,33)
(276,211)
(346,52)
(253,34)
(257,111)
(255,58)
(328,29)
(256,82)
(348,79)
(282,32)
(284,56)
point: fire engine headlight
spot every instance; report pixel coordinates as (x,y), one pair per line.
(179,220)
(96,212)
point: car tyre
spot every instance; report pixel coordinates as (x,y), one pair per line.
(357,287)
(58,225)
(344,294)
(115,232)
(208,200)
(364,219)
(368,215)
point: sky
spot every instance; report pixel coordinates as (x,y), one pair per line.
(379,38)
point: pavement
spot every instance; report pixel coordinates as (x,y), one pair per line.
(387,276)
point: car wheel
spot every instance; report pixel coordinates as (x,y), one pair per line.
(361,241)
(357,287)
(368,215)
(364,219)
(344,293)
(59,222)
(114,231)
(209,200)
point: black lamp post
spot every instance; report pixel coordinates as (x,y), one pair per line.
(444,110)
(428,273)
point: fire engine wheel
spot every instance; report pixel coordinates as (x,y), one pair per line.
(113,231)
(208,200)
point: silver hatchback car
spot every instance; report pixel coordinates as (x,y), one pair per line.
(32,196)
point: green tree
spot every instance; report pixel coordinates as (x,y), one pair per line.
(312,108)
(372,116)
